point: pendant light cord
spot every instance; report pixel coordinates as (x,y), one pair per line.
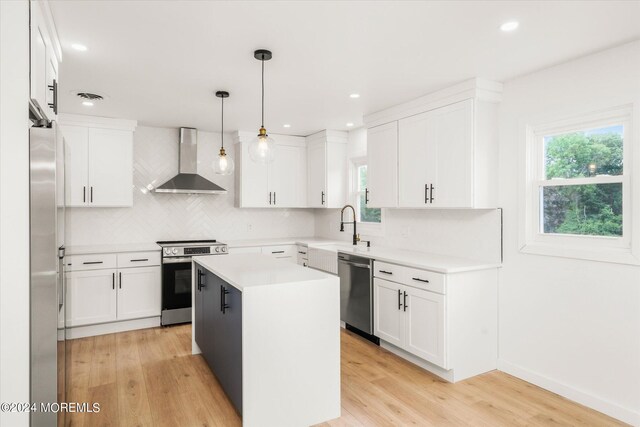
(262,92)
(222,125)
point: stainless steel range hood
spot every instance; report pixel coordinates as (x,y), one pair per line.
(188,181)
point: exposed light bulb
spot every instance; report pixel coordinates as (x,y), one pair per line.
(87,103)
(223,165)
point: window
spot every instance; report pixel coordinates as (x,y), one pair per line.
(369,219)
(578,187)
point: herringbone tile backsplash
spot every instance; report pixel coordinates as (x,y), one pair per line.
(180,216)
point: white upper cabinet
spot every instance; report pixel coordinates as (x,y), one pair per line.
(317,164)
(280,184)
(98,161)
(435,151)
(287,176)
(43,61)
(76,164)
(382,166)
(446,150)
(327,169)
(110,167)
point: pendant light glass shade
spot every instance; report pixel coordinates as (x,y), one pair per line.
(262,147)
(223,164)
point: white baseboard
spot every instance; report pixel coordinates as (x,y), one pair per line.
(110,328)
(614,410)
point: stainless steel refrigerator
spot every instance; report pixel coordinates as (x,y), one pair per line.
(47,274)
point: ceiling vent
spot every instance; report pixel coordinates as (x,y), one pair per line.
(90,96)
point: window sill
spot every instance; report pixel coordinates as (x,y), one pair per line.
(603,254)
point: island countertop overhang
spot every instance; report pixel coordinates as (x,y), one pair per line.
(244,271)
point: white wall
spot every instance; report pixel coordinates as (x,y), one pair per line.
(180,216)
(570,326)
(464,233)
(14,208)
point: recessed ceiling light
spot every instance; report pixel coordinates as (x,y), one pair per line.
(354,95)
(87,103)
(286,125)
(509,26)
(80,47)
(349,124)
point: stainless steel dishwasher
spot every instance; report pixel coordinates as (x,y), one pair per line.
(356,294)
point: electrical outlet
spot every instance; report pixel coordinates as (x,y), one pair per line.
(249,227)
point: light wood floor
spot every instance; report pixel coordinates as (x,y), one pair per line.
(150,378)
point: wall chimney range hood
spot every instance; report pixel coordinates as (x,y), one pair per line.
(188,181)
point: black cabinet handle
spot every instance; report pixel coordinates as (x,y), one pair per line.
(420,280)
(54,89)
(399,302)
(431,188)
(91,194)
(223,299)
(385,272)
(199,280)
(84,194)
(269,197)
(405,301)
(322,198)
(113,280)
(277,252)
(120,280)
(92,262)
(274,197)
(426,193)
(366,196)
(302,253)
(140,260)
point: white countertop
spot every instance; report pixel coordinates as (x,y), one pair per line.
(249,270)
(304,241)
(108,249)
(433,262)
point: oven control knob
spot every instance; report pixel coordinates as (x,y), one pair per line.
(174,251)
(167,251)
(217,249)
(224,249)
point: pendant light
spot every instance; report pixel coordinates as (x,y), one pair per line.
(223,165)
(262,148)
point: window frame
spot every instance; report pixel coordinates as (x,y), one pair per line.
(614,249)
(367,228)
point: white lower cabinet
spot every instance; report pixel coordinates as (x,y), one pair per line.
(138,292)
(425,325)
(412,319)
(445,323)
(91,297)
(389,318)
(96,295)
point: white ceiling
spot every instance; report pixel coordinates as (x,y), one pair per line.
(161,62)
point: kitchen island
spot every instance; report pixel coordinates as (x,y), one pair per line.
(270,332)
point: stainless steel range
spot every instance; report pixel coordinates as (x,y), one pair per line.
(176,276)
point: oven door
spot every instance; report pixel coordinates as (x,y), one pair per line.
(176,284)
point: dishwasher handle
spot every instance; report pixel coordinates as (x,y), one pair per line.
(355,264)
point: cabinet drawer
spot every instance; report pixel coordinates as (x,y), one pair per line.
(415,277)
(138,259)
(90,262)
(280,251)
(387,271)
